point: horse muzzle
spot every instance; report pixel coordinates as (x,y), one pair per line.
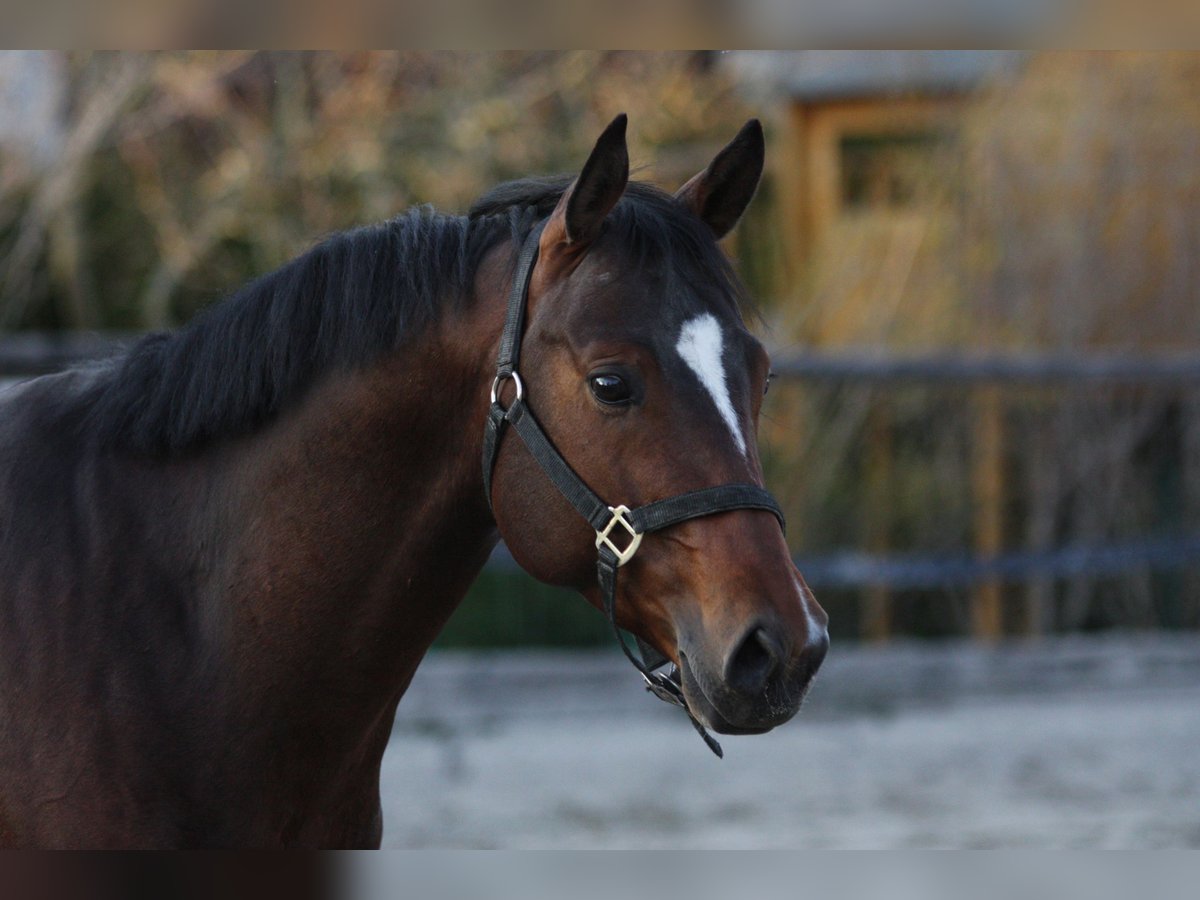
(755,685)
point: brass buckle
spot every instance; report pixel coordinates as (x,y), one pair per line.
(635,537)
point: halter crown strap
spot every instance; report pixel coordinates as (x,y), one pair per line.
(619,530)
(514,320)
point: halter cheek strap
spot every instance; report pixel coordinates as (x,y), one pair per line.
(619,529)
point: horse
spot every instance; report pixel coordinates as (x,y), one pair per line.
(225,552)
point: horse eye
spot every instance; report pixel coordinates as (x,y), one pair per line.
(767,386)
(610,389)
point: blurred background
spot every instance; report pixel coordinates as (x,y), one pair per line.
(978,273)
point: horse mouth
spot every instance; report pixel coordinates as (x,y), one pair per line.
(748,720)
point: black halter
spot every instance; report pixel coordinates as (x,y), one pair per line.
(614,525)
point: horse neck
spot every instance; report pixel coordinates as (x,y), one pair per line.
(355,525)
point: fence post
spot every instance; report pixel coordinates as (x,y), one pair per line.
(1190,582)
(1038,438)
(987,620)
(877,599)
(1041,486)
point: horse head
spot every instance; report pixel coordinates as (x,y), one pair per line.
(639,367)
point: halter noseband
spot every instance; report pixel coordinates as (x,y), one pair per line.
(619,529)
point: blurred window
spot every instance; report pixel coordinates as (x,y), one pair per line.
(894,171)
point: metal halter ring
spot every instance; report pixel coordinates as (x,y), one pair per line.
(664,689)
(500,379)
(635,536)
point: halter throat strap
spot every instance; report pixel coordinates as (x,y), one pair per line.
(619,529)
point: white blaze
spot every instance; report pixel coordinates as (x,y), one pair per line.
(815,631)
(702,347)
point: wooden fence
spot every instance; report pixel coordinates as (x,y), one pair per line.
(879,573)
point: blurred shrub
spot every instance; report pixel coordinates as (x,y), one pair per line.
(181,175)
(511,609)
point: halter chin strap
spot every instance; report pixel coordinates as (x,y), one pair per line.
(619,529)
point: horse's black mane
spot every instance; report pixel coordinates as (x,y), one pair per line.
(345,303)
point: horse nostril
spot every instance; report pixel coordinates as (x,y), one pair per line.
(750,667)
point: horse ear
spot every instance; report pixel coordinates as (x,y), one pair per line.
(720,194)
(581,210)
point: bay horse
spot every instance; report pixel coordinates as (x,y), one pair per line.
(224,554)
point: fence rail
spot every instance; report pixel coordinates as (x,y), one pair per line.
(900,571)
(34,353)
(1023,369)
(908,572)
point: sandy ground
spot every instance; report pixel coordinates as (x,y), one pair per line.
(1075,743)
